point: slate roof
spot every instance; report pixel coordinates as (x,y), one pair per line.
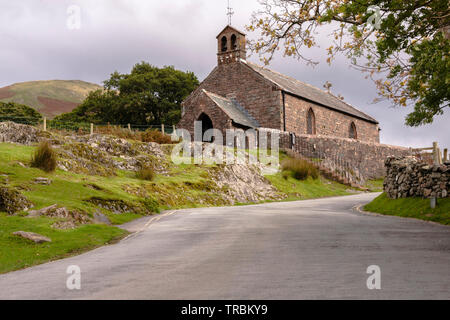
(301,89)
(233,109)
(230,27)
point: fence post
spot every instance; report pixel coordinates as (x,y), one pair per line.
(439,156)
(129,127)
(92,129)
(174,129)
(433,200)
(162,129)
(445,154)
(435,153)
(45,123)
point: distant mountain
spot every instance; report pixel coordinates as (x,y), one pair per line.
(50,98)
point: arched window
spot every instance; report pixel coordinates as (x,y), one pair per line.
(206,124)
(311,122)
(224,44)
(233,42)
(352,132)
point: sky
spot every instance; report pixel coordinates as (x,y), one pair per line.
(40,40)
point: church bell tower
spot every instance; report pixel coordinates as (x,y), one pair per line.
(231,46)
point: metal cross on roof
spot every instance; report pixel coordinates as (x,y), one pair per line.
(230,12)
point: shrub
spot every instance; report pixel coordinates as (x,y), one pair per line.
(44,157)
(299,169)
(146,174)
(152,135)
(19,113)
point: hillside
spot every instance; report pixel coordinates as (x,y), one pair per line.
(50,98)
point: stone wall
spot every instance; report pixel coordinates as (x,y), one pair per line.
(236,80)
(409,177)
(327,122)
(203,104)
(363,159)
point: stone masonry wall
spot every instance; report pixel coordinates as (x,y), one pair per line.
(408,177)
(328,122)
(201,103)
(362,158)
(253,92)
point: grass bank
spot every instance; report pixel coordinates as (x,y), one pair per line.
(412,208)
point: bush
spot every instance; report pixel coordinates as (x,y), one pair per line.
(19,113)
(152,135)
(299,169)
(146,174)
(44,157)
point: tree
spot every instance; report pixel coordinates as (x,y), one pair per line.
(19,113)
(402,45)
(148,95)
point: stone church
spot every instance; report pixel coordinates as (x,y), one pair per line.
(240,94)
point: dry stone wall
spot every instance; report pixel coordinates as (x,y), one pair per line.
(409,177)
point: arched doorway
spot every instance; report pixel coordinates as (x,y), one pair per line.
(206,125)
(311,122)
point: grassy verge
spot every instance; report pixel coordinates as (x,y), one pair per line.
(375,185)
(307,189)
(412,208)
(17,253)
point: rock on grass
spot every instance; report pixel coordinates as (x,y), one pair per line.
(36,238)
(12,201)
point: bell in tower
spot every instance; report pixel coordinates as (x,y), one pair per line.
(231,46)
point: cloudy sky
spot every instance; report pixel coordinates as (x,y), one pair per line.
(37,44)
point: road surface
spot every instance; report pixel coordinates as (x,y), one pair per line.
(315,249)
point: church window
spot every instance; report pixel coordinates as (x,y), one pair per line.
(352,133)
(311,122)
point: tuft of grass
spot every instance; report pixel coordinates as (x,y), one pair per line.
(146,174)
(412,208)
(299,169)
(44,157)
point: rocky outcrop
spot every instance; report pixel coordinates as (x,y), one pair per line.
(409,177)
(244,183)
(20,133)
(12,201)
(36,238)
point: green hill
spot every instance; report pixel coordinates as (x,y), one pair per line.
(50,98)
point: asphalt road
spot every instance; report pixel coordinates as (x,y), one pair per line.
(315,249)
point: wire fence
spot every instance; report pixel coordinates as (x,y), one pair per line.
(85,127)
